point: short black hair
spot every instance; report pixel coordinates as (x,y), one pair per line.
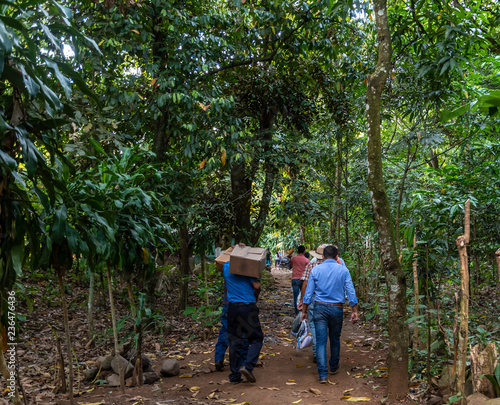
(306,254)
(330,252)
(302,249)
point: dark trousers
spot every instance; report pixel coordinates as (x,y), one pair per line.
(296,287)
(223,339)
(243,322)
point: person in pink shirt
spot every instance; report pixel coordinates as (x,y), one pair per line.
(298,264)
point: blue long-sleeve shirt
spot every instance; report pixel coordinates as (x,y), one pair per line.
(330,282)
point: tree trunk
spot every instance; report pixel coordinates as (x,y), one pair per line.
(241,187)
(416,294)
(463,332)
(115,331)
(434,163)
(184,267)
(338,185)
(90,306)
(397,383)
(60,272)
(497,257)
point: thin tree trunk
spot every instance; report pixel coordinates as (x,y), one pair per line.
(205,277)
(497,257)
(397,383)
(133,308)
(416,294)
(463,332)
(184,266)
(428,296)
(338,184)
(302,237)
(115,331)
(90,313)
(60,272)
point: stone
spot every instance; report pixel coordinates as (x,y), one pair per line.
(127,367)
(129,382)
(105,362)
(476,399)
(113,380)
(447,381)
(90,374)
(494,401)
(170,368)
(150,378)
(103,374)
(434,400)
(146,361)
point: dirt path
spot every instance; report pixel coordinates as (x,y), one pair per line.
(284,376)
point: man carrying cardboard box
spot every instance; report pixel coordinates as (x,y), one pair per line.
(242,322)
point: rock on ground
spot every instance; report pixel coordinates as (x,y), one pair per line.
(170,368)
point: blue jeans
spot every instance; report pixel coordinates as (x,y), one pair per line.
(312,328)
(328,321)
(223,339)
(296,286)
(243,322)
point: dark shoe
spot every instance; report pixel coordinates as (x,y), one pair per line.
(334,371)
(323,381)
(237,381)
(219,366)
(314,359)
(248,375)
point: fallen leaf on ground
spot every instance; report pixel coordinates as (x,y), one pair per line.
(315,391)
(269,388)
(296,402)
(358,399)
(291,383)
(299,365)
(92,403)
(186,376)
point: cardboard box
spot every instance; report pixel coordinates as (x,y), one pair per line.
(223,258)
(320,249)
(248,261)
(313,253)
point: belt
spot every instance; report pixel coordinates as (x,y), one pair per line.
(238,304)
(337,304)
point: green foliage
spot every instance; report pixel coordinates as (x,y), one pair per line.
(206,315)
(495,380)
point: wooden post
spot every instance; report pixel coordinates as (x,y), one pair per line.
(462,242)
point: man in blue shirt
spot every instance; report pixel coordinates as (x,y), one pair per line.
(243,322)
(329,283)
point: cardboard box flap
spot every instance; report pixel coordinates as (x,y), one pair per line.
(313,253)
(320,248)
(223,258)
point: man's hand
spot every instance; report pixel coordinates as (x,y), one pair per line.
(299,306)
(304,316)
(354,317)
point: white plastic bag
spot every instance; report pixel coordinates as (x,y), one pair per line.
(304,336)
